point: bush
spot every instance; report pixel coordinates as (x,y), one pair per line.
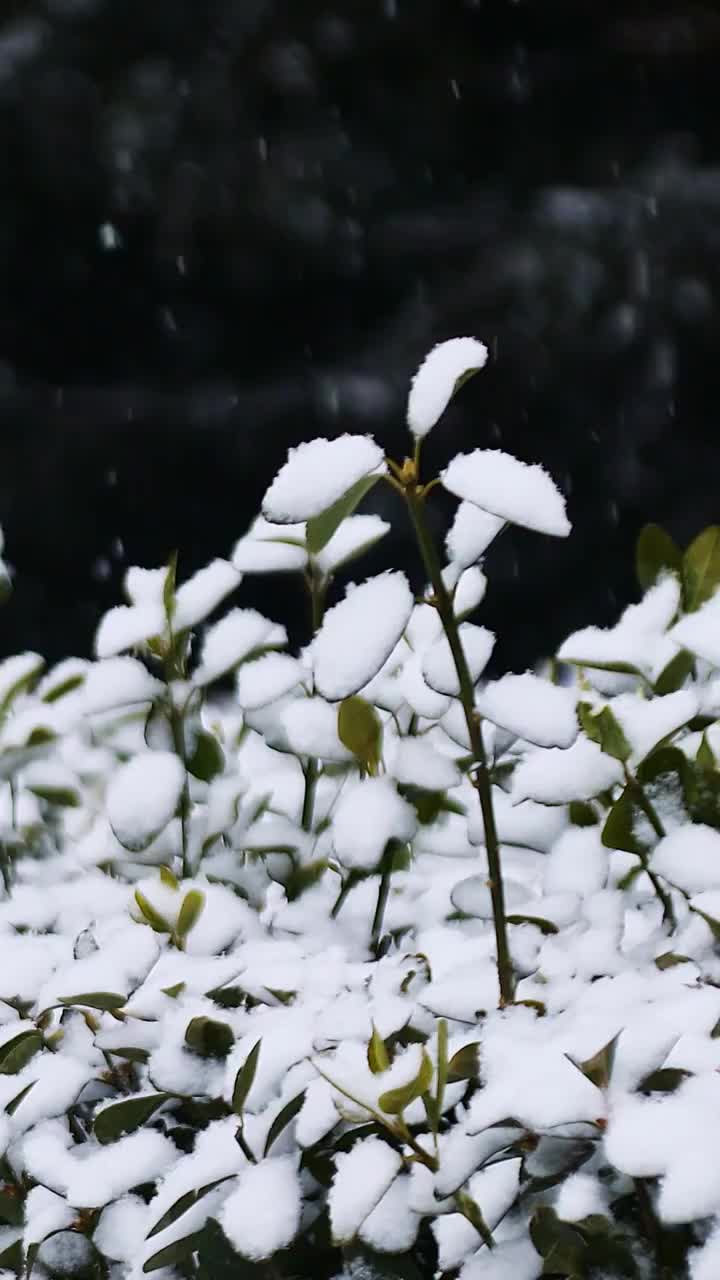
(373,968)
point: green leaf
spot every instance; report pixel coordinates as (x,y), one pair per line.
(11,1259)
(126,1116)
(360,730)
(701,568)
(673,676)
(546,927)
(208,1038)
(394,1101)
(705,755)
(465,1064)
(582,814)
(169,587)
(16,1053)
(320,529)
(377,1054)
(14,1103)
(151,915)
(471,1210)
(168,879)
(173,1253)
(182,1205)
(618,832)
(131,1053)
(208,758)
(174,991)
(428,805)
(63,797)
(23,684)
(12,1207)
(66,686)
(192,908)
(656,552)
(283,1119)
(244,1079)
(665,1080)
(442,1066)
(598,1068)
(105,1001)
(669,960)
(603,728)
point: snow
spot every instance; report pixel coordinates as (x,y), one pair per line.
(434,383)
(557,776)
(363,1177)
(456,1239)
(689,857)
(645,722)
(517,492)
(201,594)
(391,1227)
(318,473)
(117,682)
(267,679)
(231,640)
(579,1196)
(144,795)
(530,707)
(471,533)
(262,1214)
(638,639)
(368,814)
(311,729)
(109,1172)
(469,592)
(417,762)
(359,634)
(121,1229)
(355,535)
(577,862)
(495,1188)
(127,626)
(18,671)
(699,631)
(438,667)
(264,548)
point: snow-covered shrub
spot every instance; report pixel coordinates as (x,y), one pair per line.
(374,966)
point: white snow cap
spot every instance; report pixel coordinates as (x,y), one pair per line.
(434,383)
(363,1176)
(144,795)
(368,814)
(556,776)
(471,533)
(522,493)
(532,708)
(359,634)
(318,473)
(263,1214)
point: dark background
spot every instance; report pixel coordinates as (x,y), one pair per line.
(229,225)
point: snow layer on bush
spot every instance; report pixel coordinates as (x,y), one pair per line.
(532,708)
(262,1214)
(201,594)
(438,666)
(231,640)
(362,1179)
(690,858)
(144,795)
(434,383)
(268,548)
(369,814)
(471,533)
(126,626)
(317,473)
(359,634)
(515,491)
(557,776)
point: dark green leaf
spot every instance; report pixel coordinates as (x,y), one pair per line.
(283,1119)
(669,960)
(190,912)
(701,568)
(182,1205)
(169,587)
(17,1052)
(320,529)
(169,879)
(63,797)
(618,831)
(443,1066)
(471,1210)
(360,730)
(244,1079)
(598,1068)
(23,685)
(173,1253)
(665,1080)
(603,728)
(582,814)
(673,676)
(705,755)
(126,1116)
(174,991)
(58,691)
(465,1064)
(131,1053)
(208,1038)
(208,758)
(14,1103)
(11,1259)
(394,1101)
(105,1001)
(377,1054)
(656,551)
(545,926)
(12,1207)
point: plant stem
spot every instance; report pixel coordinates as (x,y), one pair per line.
(651,814)
(382,898)
(317,588)
(481,778)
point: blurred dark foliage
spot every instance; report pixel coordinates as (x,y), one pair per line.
(229,225)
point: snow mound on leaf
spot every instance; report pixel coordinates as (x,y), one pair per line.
(557,776)
(317,474)
(435,381)
(363,1177)
(471,533)
(144,795)
(262,1214)
(531,708)
(359,634)
(521,493)
(368,814)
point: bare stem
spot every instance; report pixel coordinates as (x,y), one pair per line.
(481,774)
